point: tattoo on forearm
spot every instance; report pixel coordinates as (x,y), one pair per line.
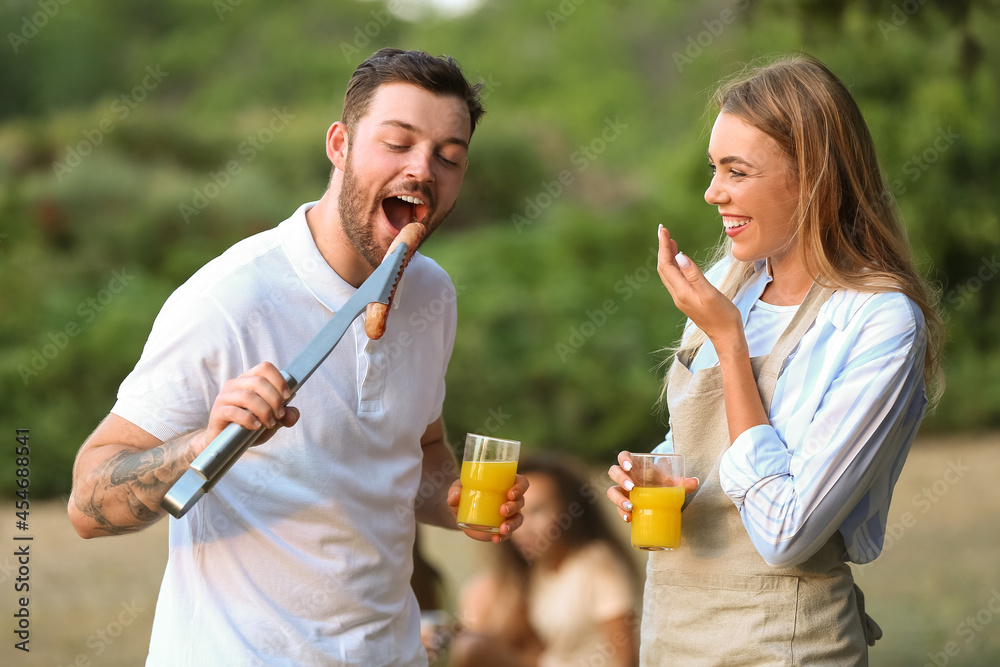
(139,509)
(92,507)
(127,475)
(137,468)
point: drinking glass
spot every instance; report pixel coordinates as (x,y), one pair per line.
(489,466)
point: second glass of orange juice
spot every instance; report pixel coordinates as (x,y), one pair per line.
(656,501)
(488,470)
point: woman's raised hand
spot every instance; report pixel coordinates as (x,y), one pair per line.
(693,295)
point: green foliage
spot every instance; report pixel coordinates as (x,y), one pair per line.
(560,343)
(140,139)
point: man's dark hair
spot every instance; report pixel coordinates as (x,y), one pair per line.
(441,76)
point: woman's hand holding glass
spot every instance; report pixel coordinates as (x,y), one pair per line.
(619,494)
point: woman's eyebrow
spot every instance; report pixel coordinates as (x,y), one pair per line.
(731,159)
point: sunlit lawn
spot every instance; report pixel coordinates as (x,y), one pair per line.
(935,591)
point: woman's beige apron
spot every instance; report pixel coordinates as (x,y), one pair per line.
(714,601)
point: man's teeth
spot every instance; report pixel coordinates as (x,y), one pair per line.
(410,200)
(731,223)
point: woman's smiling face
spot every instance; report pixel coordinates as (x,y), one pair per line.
(755,191)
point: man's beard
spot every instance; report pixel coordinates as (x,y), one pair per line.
(359,224)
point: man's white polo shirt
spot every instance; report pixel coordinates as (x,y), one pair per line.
(301,555)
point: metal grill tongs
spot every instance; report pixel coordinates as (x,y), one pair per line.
(375,295)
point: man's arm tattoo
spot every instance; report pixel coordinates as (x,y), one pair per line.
(128,474)
(138,469)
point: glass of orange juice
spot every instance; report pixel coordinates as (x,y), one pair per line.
(488,469)
(656,501)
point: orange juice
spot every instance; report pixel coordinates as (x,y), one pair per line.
(656,517)
(484,490)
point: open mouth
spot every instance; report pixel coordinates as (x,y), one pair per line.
(401,210)
(734,224)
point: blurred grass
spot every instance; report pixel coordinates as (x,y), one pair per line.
(939,571)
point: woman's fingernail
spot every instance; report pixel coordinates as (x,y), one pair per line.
(682,260)
(625,518)
(627,466)
(627,505)
(628,484)
(659,229)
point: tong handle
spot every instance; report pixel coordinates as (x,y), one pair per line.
(214,462)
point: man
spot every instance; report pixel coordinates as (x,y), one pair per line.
(301,555)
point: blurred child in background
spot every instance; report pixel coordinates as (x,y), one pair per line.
(563,589)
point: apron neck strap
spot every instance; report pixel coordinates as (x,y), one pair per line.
(789,340)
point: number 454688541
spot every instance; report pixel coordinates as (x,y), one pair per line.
(22,453)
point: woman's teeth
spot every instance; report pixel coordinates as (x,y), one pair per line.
(733,223)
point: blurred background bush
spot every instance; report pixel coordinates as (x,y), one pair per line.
(139,139)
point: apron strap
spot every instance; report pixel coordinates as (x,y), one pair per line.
(789,340)
(872,630)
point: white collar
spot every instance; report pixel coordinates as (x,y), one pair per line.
(312,269)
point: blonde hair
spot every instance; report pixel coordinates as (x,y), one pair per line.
(851,232)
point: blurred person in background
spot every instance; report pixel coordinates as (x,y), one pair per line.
(563,589)
(798,386)
(436,624)
(303,553)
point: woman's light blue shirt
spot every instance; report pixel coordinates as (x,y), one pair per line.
(845,410)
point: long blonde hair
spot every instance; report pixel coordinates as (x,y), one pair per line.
(851,232)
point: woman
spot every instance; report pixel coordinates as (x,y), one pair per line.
(562,593)
(797,387)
